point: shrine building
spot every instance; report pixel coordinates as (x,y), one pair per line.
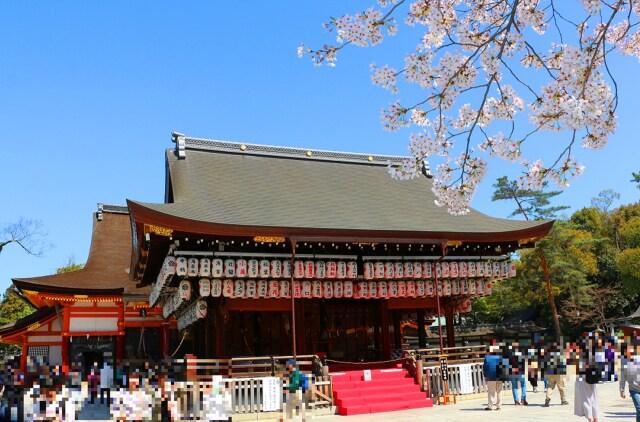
(262,250)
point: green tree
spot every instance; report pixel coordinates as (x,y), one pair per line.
(12,308)
(532,205)
(70,267)
(636,179)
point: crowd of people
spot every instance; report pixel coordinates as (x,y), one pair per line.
(593,358)
(153,392)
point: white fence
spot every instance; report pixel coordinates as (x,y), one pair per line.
(466,378)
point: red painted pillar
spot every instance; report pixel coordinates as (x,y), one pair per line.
(23,358)
(164,339)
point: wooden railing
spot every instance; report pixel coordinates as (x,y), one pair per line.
(243,380)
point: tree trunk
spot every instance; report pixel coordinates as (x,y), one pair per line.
(552,302)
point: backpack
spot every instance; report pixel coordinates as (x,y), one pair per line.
(593,375)
(304,384)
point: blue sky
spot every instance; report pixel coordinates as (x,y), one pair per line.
(91,91)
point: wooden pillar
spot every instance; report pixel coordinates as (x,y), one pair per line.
(397,336)
(384,322)
(448,312)
(301,341)
(121,332)
(23,358)
(422,334)
(219,328)
(164,340)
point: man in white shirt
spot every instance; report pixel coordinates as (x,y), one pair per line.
(630,373)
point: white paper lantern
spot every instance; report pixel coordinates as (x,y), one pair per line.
(317,288)
(252,268)
(408,269)
(496,269)
(463,269)
(227,288)
(438,270)
(363,289)
(342,270)
(348,288)
(421,290)
(383,291)
(444,267)
(263,288)
(352,269)
(427,270)
(298,269)
(431,291)
(440,288)
(264,268)
(454,270)
(389,270)
(512,269)
(274,289)
(297,289)
(184,290)
(487,287)
(193,267)
(241,268)
(306,290)
(229,268)
(504,269)
(309,269)
(479,287)
(447,288)
(465,306)
(368,270)
(472,287)
(417,270)
(169,265)
(471,269)
(488,269)
(480,269)
(402,289)
(321,269)
(205,267)
(399,270)
(217,268)
(327,289)
(464,286)
(372,288)
(204,287)
(332,269)
(455,287)
(216,287)
(181,266)
(379,269)
(239,288)
(251,289)
(411,288)
(285,291)
(286,269)
(393,288)
(276,268)
(338,290)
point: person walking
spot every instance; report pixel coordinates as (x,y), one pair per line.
(586,393)
(630,373)
(517,373)
(294,390)
(555,374)
(106,382)
(493,375)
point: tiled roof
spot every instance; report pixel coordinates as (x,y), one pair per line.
(260,186)
(106,270)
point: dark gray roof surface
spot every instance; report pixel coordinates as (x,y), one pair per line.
(223,184)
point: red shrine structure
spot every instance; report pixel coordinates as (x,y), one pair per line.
(262,250)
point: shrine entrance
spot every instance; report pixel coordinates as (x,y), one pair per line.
(258,333)
(346,330)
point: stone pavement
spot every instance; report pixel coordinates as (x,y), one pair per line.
(612,408)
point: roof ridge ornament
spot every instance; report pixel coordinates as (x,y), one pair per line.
(179,140)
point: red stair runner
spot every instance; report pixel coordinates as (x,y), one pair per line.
(388,390)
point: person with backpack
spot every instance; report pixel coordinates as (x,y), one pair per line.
(589,374)
(297,385)
(493,371)
(630,373)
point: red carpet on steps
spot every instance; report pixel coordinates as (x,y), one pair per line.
(388,390)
